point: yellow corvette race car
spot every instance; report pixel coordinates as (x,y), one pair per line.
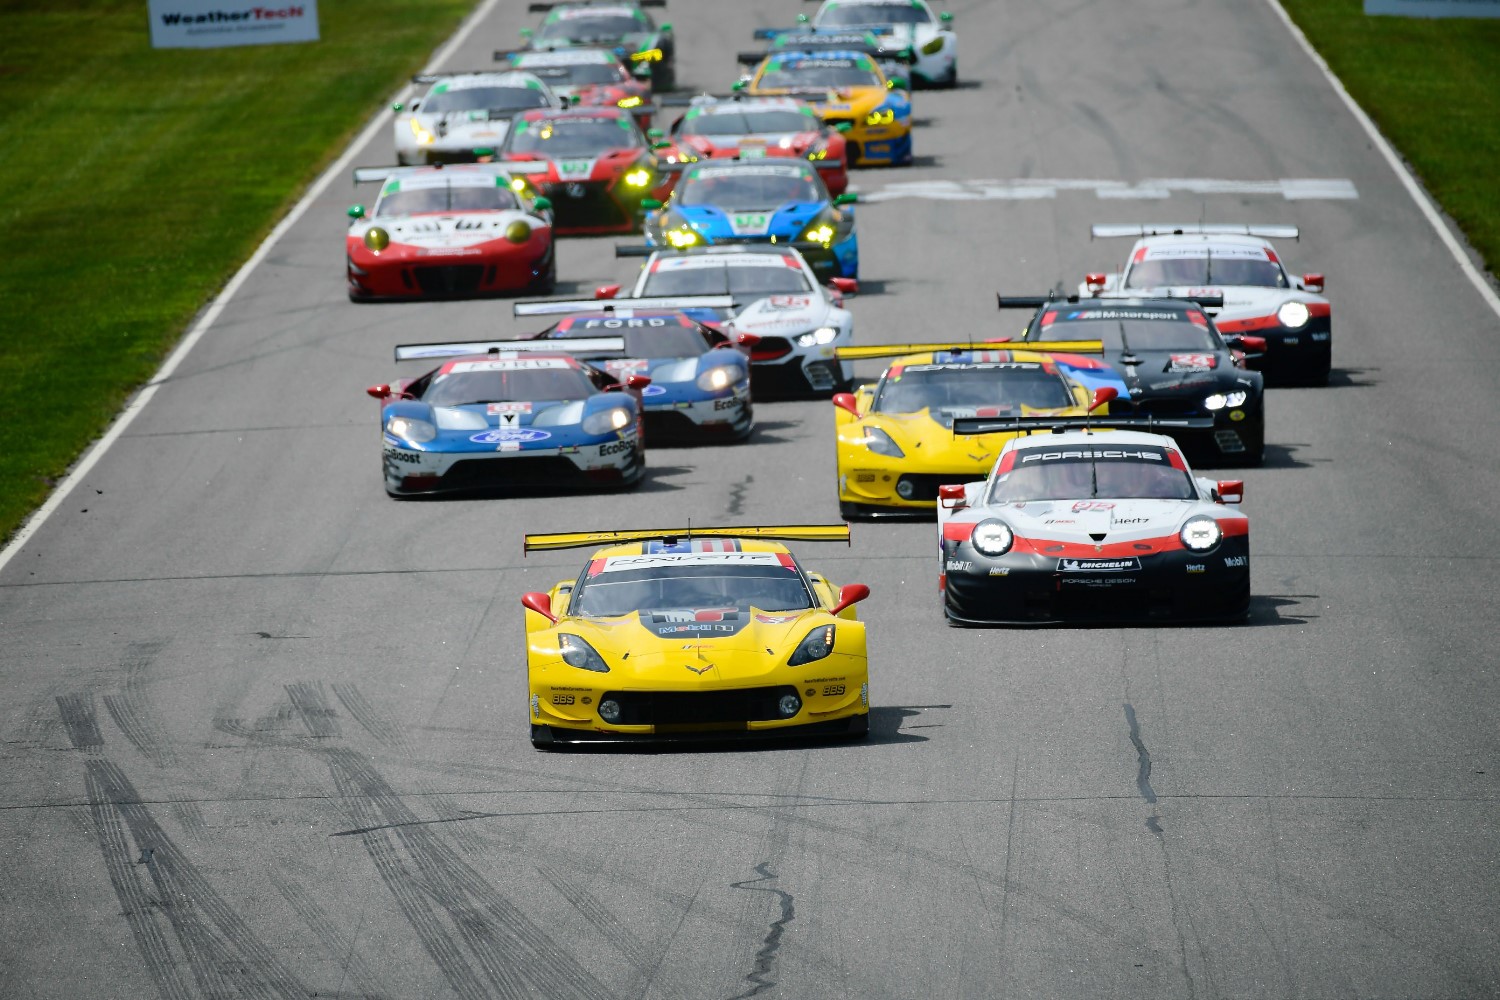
(896,444)
(711,633)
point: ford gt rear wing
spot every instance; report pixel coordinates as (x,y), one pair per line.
(1104,421)
(774,533)
(586,347)
(620,307)
(1269,232)
(1037,301)
(865,351)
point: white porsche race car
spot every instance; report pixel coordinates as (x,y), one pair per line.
(1238,263)
(908,24)
(463,117)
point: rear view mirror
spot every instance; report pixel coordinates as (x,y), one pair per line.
(845,401)
(851,593)
(637,382)
(951,495)
(1103,395)
(1230,490)
(606,291)
(379,391)
(540,603)
(1313,282)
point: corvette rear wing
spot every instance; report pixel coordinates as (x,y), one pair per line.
(621,307)
(1104,421)
(865,351)
(1269,232)
(1037,301)
(776,533)
(592,347)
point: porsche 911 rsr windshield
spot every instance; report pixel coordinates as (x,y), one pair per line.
(818,73)
(1207,270)
(448,198)
(744,189)
(599,29)
(727,279)
(1135,334)
(766,586)
(959,389)
(670,340)
(771,122)
(492,99)
(526,379)
(1119,472)
(578,74)
(872,14)
(566,137)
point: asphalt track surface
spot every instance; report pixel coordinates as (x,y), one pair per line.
(264,730)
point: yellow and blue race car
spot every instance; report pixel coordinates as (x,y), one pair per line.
(707,633)
(896,443)
(844,87)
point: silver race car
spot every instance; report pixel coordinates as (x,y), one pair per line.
(463,117)
(896,24)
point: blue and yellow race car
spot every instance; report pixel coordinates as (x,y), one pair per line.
(844,87)
(759,201)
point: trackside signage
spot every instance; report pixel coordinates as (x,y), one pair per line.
(209,24)
(1434,8)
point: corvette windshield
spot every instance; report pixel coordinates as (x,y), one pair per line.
(958,390)
(464,388)
(686,586)
(1206,271)
(492,99)
(871,14)
(727,279)
(669,340)
(1123,473)
(578,74)
(749,123)
(818,73)
(574,137)
(1137,335)
(447,198)
(743,189)
(599,28)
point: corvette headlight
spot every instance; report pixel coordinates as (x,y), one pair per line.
(817,646)
(629,102)
(647,56)
(423,137)
(819,232)
(577,653)
(933,47)
(1201,533)
(683,237)
(881,443)
(818,154)
(638,178)
(881,116)
(718,378)
(1219,400)
(1292,314)
(377,239)
(411,429)
(518,232)
(603,422)
(822,335)
(992,538)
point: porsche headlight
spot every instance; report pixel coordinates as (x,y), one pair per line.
(822,335)
(683,237)
(992,538)
(933,47)
(518,185)
(1292,314)
(881,116)
(518,232)
(817,646)
(716,379)
(1219,400)
(881,443)
(1201,533)
(577,653)
(638,178)
(423,137)
(411,429)
(377,239)
(604,421)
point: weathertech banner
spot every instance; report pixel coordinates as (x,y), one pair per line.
(208,24)
(1435,8)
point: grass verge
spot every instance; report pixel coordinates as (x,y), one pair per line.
(135,181)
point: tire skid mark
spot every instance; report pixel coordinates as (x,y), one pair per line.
(365,979)
(517,957)
(225,956)
(311,705)
(130,711)
(765,958)
(78,718)
(641,955)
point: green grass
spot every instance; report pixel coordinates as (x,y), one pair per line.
(134,182)
(1433,88)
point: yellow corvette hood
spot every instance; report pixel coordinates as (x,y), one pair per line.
(929,444)
(714,644)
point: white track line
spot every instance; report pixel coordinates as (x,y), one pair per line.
(1418,195)
(138,403)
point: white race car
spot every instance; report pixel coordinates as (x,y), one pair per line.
(909,24)
(1235,262)
(463,117)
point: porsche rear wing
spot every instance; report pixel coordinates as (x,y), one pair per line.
(1269,232)
(774,533)
(584,347)
(621,307)
(1037,301)
(865,351)
(379,175)
(1105,421)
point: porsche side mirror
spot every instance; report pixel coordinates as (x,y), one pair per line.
(843,126)
(747,340)
(653,133)
(379,391)
(951,495)
(356,211)
(1095,281)
(844,286)
(1103,395)
(1253,345)
(398,106)
(540,603)
(650,204)
(636,383)
(661,144)
(1313,282)
(541,203)
(850,593)
(945,17)
(1229,490)
(606,291)
(845,401)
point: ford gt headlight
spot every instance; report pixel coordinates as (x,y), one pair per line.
(423,137)
(992,538)
(577,653)
(377,239)
(639,177)
(1201,533)
(933,47)
(822,335)
(683,237)
(411,429)
(881,116)
(817,645)
(881,443)
(1292,314)
(1219,400)
(518,232)
(604,421)
(717,379)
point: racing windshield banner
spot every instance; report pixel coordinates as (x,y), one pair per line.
(211,24)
